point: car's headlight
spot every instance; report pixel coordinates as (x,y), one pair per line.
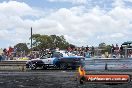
(28,62)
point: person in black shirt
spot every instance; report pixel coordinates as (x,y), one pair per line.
(113,49)
(92,53)
(5,51)
(121,51)
(87,48)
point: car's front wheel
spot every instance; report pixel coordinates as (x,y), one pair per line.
(32,66)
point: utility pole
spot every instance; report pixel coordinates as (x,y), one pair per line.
(31,38)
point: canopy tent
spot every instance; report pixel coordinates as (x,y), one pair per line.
(127,43)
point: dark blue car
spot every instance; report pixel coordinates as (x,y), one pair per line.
(56,60)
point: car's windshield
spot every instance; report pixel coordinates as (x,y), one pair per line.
(45,56)
(57,55)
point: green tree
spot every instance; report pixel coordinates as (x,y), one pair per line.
(102,45)
(21,47)
(105,48)
(49,41)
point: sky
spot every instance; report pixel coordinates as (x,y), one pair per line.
(82,22)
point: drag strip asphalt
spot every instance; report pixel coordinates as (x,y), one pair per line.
(52,79)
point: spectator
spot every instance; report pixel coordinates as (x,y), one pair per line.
(87,54)
(121,51)
(117,50)
(82,48)
(113,49)
(69,49)
(92,53)
(87,48)
(5,51)
(14,52)
(57,49)
(130,53)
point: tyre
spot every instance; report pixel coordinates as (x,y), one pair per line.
(63,66)
(73,67)
(32,66)
(44,67)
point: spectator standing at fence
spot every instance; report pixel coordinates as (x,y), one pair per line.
(113,49)
(87,53)
(69,49)
(130,53)
(87,48)
(14,52)
(121,51)
(92,53)
(5,51)
(117,49)
(82,48)
(10,50)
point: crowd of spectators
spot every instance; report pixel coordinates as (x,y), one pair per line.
(83,51)
(120,51)
(7,54)
(10,53)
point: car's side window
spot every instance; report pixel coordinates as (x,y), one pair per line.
(48,55)
(57,55)
(45,56)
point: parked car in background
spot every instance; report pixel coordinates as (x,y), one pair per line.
(59,59)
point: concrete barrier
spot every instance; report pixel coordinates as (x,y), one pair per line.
(98,66)
(13,65)
(108,64)
(119,66)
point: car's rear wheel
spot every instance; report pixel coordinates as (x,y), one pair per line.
(63,66)
(32,66)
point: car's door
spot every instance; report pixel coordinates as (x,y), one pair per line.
(48,60)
